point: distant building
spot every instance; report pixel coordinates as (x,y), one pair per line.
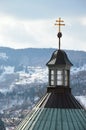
(58,109)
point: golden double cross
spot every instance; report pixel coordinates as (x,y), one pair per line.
(59,23)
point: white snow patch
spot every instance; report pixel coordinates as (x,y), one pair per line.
(3,56)
(82,100)
(35,75)
(9,69)
(76,70)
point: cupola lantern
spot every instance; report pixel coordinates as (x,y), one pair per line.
(59,65)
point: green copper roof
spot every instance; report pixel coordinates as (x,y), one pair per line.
(54,119)
(55,111)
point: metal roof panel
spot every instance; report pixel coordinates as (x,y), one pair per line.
(55,119)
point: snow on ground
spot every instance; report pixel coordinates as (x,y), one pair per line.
(29,76)
(9,128)
(8,70)
(82,100)
(3,56)
(35,75)
(77,69)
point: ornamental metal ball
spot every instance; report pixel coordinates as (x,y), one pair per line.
(59,35)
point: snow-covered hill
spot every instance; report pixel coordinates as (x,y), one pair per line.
(9,79)
(28,66)
(24,78)
(23,74)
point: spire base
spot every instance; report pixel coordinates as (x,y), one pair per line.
(59,89)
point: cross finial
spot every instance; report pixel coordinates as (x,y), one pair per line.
(59,23)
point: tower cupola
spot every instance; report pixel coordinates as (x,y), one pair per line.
(59,65)
(59,69)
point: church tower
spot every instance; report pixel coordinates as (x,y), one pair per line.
(58,109)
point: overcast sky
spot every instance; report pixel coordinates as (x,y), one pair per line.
(30,23)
